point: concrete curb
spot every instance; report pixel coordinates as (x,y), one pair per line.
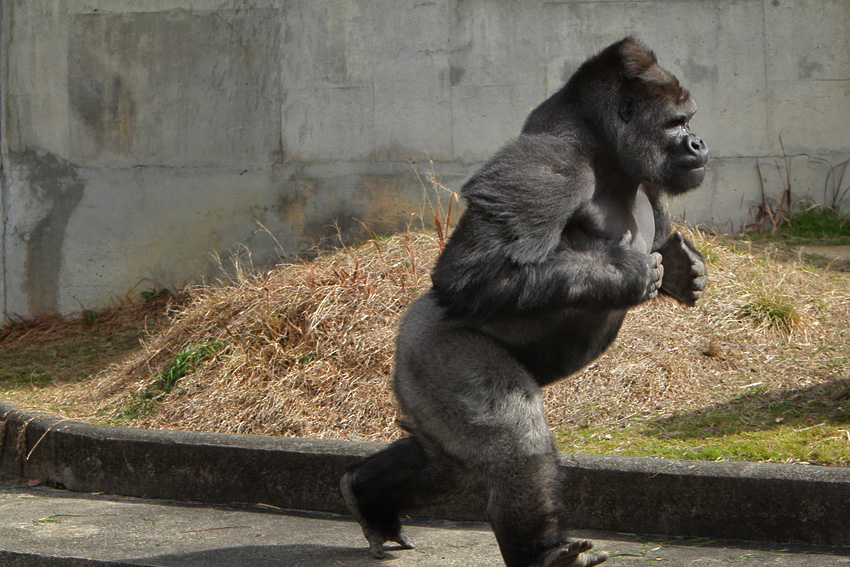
(743,501)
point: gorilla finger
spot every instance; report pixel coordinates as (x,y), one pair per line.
(678,239)
(699,283)
(653,261)
(698,269)
(656,275)
(653,286)
(596,558)
(656,278)
(626,240)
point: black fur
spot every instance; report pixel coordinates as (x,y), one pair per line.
(563,232)
(509,256)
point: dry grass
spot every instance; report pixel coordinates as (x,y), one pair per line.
(42,357)
(776,324)
(306,349)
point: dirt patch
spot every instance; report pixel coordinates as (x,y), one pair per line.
(835,253)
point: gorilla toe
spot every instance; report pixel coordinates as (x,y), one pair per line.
(572,555)
(374,536)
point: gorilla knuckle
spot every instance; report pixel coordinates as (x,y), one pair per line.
(698,269)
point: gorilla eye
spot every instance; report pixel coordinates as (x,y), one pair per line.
(678,122)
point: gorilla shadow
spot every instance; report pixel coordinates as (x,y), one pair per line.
(760,411)
(295,555)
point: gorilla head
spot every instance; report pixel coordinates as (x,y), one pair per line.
(631,115)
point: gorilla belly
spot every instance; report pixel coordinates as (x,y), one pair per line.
(556,345)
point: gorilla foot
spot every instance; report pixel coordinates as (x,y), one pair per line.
(374,536)
(572,555)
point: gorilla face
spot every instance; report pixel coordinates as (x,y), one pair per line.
(657,145)
(686,153)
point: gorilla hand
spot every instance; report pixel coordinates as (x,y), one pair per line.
(656,274)
(685,272)
(654,269)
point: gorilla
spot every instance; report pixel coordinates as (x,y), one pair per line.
(564,230)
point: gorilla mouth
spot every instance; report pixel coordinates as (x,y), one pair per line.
(688,175)
(693,164)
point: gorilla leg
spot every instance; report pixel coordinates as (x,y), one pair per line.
(474,409)
(524,508)
(407,474)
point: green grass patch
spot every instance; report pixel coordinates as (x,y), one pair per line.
(825,444)
(185,362)
(816,223)
(27,365)
(189,359)
(810,426)
(26,379)
(772,309)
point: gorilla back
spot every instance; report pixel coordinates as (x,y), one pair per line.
(563,232)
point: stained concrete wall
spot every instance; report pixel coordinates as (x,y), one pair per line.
(138,136)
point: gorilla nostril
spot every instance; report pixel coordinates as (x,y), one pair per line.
(697,146)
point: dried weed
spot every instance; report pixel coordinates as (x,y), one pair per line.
(306,349)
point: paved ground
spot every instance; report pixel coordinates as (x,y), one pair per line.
(39,525)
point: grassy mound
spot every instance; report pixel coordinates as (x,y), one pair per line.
(757,371)
(302,350)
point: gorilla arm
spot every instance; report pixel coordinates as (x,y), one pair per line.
(592,275)
(518,249)
(685,273)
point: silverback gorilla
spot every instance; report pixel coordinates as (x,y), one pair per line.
(563,232)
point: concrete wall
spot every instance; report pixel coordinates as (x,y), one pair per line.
(140,135)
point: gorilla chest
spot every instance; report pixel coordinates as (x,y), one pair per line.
(609,216)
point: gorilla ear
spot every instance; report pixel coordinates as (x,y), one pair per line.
(627,109)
